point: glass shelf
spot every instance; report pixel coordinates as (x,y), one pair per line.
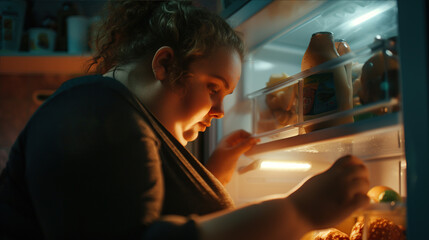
(370,139)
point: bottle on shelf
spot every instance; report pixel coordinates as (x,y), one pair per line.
(380,73)
(67,9)
(343,48)
(328,91)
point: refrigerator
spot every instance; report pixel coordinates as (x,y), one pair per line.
(386,125)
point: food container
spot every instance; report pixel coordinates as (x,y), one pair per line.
(381,221)
(11,24)
(77,34)
(41,40)
(277,108)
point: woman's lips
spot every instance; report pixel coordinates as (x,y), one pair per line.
(203,126)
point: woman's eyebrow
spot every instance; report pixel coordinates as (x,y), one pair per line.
(225,83)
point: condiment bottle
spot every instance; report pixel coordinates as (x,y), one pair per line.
(379,78)
(343,48)
(328,91)
(67,9)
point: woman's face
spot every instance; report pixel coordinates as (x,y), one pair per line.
(209,80)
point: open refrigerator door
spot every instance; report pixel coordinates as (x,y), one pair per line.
(309,110)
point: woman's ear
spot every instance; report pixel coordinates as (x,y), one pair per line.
(161,61)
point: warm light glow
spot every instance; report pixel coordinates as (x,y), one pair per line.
(370,15)
(285,166)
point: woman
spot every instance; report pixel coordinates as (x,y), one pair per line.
(104,157)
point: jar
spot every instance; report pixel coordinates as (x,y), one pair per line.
(380,75)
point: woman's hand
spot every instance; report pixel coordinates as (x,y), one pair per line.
(328,198)
(224,158)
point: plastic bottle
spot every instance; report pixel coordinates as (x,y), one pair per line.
(380,73)
(67,9)
(328,91)
(343,48)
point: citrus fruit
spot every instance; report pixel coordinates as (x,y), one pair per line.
(389,196)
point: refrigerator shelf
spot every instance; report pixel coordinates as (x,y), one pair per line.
(372,139)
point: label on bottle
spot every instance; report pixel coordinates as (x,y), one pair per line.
(319,94)
(9,30)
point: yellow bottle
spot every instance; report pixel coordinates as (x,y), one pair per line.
(328,91)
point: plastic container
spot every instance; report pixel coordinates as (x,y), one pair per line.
(77,34)
(11,24)
(279,107)
(41,40)
(381,221)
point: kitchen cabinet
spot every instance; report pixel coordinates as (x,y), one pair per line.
(43,64)
(25,82)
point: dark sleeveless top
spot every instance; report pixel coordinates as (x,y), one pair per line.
(93,163)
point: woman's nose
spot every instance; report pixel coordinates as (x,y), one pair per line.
(217,110)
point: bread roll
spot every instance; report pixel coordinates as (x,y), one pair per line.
(379,229)
(331,234)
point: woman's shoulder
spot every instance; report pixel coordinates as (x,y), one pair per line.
(90,81)
(95,90)
(98,101)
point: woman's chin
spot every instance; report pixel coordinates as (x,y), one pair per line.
(190,135)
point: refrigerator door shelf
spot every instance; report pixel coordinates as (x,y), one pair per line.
(372,139)
(284,108)
(359,113)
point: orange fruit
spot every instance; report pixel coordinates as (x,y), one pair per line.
(375,192)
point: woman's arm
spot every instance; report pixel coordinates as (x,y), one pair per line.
(322,201)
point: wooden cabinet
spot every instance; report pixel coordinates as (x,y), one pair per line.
(25,82)
(61,64)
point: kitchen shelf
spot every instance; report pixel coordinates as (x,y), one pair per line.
(43,64)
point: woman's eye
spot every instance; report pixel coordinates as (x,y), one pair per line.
(213,88)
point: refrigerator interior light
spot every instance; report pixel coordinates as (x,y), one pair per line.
(284,166)
(365,17)
(262,65)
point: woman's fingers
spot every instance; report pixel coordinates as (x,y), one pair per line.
(239,141)
(353,178)
(246,145)
(339,191)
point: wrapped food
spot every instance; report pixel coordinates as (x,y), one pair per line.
(379,229)
(281,103)
(331,234)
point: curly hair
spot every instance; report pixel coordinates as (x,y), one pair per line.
(133,30)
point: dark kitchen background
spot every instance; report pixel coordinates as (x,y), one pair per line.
(32,68)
